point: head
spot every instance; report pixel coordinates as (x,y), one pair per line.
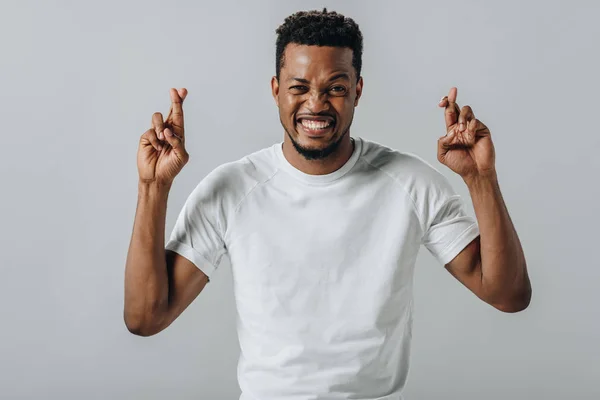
(317,83)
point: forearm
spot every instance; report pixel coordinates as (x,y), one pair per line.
(146,277)
(504,272)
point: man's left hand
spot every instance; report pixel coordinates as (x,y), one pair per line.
(467,147)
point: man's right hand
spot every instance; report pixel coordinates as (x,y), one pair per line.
(162,154)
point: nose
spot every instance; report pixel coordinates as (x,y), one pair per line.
(317,102)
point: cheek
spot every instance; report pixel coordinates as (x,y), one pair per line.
(289,106)
(344,107)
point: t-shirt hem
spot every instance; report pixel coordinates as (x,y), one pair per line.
(454,248)
(201,262)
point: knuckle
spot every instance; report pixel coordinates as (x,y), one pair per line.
(147,134)
(152,137)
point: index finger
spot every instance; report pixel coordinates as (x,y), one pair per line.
(452,109)
(182,93)
(175,117)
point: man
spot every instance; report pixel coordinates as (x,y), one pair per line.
(322,230)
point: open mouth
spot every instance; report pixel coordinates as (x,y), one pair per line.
(316,127)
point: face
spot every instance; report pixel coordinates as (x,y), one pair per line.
(316,93)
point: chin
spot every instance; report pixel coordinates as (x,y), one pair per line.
(315,147)
(315,141)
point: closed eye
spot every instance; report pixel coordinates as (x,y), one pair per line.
(299,87)
(338,89)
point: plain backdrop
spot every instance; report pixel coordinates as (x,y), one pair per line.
(79,83)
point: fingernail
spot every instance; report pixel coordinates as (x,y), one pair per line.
(168,132)
(462,126)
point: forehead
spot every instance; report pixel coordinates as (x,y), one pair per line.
(303,61)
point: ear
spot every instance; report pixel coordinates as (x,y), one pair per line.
(275,89)
(359,88)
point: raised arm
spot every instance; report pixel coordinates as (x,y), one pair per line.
(493,266)
(159,284)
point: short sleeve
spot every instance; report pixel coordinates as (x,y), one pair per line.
(449,229)
(197,234)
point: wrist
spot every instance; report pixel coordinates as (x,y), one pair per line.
(146,187)
(481,181)
(488,176)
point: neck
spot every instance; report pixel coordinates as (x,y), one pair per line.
(331,163)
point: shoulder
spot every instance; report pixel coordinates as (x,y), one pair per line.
(228,183)
(426,186)
(407,169)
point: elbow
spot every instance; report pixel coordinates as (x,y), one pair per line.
(144,319)
(511,308)
(516,303)
(514,298)
(139,326)
(138,330)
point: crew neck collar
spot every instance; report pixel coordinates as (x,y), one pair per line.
(318,179)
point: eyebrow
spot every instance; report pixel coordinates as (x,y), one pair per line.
(333,78)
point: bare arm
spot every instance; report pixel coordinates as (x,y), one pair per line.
(493,266)
(159,285)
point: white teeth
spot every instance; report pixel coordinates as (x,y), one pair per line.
(315,125)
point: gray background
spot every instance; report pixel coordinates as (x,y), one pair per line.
(80,81)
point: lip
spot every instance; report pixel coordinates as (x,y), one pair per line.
(315,133)
(314,118)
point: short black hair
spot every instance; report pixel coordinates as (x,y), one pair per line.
(319,28)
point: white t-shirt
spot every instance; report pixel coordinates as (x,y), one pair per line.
(323,265)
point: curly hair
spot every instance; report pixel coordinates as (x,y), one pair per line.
(319,28)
